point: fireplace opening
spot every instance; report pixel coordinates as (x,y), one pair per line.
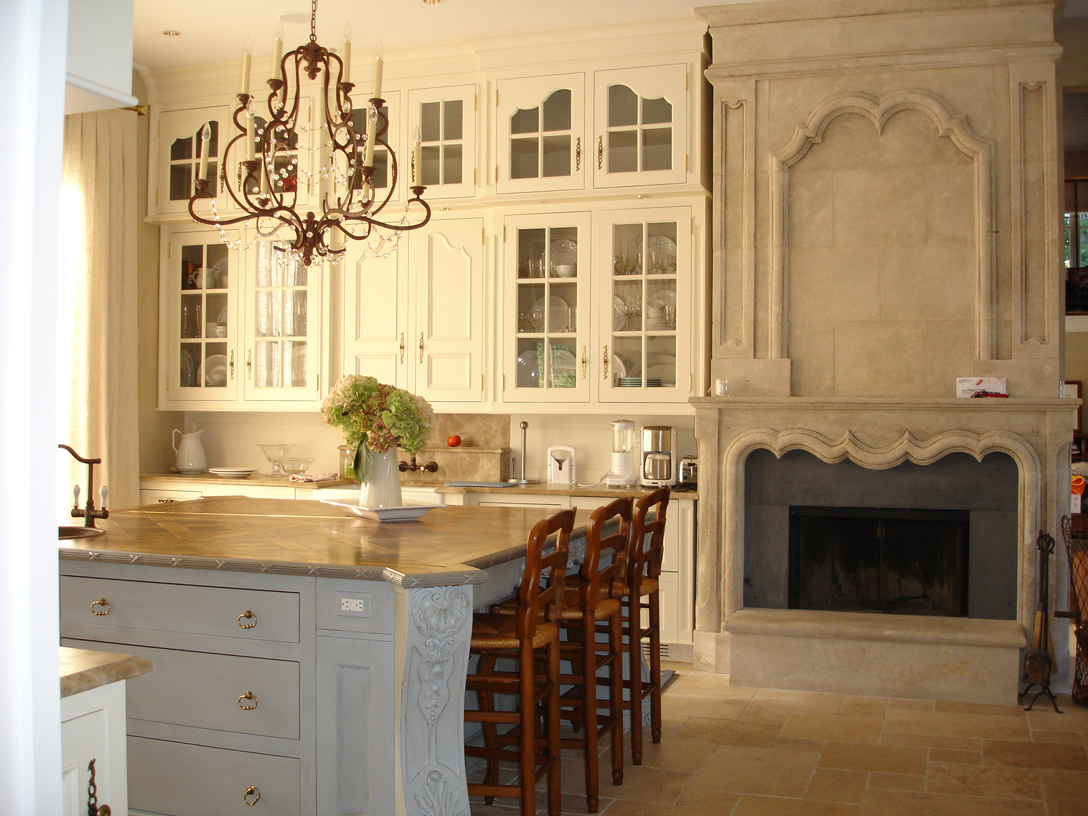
(889,560)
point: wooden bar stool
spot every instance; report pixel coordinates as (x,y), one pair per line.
(643,573)
(596,600)
(531,638)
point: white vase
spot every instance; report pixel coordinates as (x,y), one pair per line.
(383,489)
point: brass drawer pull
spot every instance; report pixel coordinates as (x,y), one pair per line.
(249,695)
(253,791)
(100,602)
(247,615)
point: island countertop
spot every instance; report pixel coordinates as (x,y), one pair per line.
(447,546)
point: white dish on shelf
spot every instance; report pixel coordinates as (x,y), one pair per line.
(619,313)
(558,318)
(662,255)
(188,372)
(564,364)
(529,370)
(386,514)
(216,368)
(619,367)
(232,473)
(564,253)
(661,367)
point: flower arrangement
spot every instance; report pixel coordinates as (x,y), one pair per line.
(376,417)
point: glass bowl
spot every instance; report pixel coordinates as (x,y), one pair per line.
(293,466)
(275,454)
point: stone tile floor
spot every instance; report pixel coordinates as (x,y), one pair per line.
(732,751)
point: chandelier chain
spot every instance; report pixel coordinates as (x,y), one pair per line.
(313,21)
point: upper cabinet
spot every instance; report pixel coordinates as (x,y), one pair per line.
(541,131)
(445,121)
(179,157)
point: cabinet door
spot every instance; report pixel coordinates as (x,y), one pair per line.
(179,142)
(645,305)
(640,126)
(445,121)
(375,333)
(446,267)
(200,330)
(283,327)
(546,308)
(541,124)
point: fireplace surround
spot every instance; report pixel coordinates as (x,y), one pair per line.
(887,180)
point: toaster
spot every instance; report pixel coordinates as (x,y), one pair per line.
(689,471)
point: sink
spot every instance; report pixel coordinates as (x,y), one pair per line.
(64,533)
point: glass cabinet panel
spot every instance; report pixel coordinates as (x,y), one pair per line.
(179,157)
(280,353)
(200,269)
(360,123)
(445,119)
(540,123)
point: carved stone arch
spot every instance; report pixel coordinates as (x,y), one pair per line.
(878,111)
(907,447)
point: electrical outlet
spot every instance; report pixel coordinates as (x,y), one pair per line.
(356,605)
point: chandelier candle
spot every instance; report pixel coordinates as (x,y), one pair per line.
(346,48)
(205,137)
(246,58)
(277,49)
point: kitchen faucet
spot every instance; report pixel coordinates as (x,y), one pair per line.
(88,513)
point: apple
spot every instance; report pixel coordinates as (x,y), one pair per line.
(453,441)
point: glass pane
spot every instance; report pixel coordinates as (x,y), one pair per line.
(562,365)
(627,305)
(380,179)
(562,308)
(192,259)
(430,121)
(215,316)
(431,159)
(557,110)
(213,372)
(181,149)
(269,310)
(525,121)
(657,149)
(294,363)
(190,354)
(524,161)
(213,143)
(660,255)
(622,151)
(531,253)
(218,267)
(181,182)
(285,173)
(191,316)
(295,312)
(626,368)
(453,126)
(266,367)
(531,308)
(622,106)
(556,156)
(661,306)
(451,169)
(656,112)
(627,249)
(530,365)
(660,368)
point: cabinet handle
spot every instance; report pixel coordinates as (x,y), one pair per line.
(421,347)
(100,602)
(247,696)
(247,615)
(604,361)
(253,791)
(402,347)
(578,154)
(585,360)
(232,364)
(249,364)
(600,152)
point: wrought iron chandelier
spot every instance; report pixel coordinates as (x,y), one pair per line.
(349,205)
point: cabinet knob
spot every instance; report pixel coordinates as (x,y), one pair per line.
(247,615)
(578,154)
(402,347)
(252,795)
(249,695)
(585,360)
(604,364)
(421,347)
(600,152)
(103,603)
(232,364)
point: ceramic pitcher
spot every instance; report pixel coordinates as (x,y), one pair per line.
(191,459)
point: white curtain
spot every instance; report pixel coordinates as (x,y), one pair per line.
(97,320)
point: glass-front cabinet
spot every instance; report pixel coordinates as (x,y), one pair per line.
(645,313)
(546,316)
(200,331)
(640,126)
(541,127)
(383,173)
(445,121)
(180,140)
(283,316)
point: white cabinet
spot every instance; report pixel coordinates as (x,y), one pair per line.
(547,308)
(93,728)
(445,121)
(415,318)
(178,158)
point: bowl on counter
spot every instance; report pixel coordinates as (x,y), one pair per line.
(296,465)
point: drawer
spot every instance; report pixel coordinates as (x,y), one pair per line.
(202,690)
(219,611)
(193,780)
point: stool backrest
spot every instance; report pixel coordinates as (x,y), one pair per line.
(598,545)
(647,538)
(542,602)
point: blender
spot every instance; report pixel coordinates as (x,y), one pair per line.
(625,459)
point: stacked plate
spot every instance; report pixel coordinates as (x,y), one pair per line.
(232,472)
(636,382)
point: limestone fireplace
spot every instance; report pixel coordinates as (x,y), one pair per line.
(887,180)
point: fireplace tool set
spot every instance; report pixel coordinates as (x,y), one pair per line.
(1039,661)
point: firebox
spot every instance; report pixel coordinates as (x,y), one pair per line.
(890,560)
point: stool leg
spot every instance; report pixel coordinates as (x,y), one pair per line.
(589,708)
(615,693)
(634,645)
(555,787)
(655,667)
(485,701)
(527,735)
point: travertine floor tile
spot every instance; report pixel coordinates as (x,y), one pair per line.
(979,708)
(804,702)
(1054,756)
(709,684)
(774,806)
(643,784)
(1063,737)
(983,726)
(727,732)
(896,781)
(829,785)
(907,704)
(675,754)
(831,727)
(864,707)
(900,803)
(478,808)
(931,741)
(623,808)
(683,705)
(798,744)
(1073,717)
(979,780)
(765,713)
(1065,791)
(959,757)
(708,802)
(757,770)
(851,756)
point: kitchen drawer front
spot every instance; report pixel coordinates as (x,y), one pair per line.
(202,690)
(163,607)
(192,780)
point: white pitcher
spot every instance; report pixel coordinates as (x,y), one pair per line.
(191,458)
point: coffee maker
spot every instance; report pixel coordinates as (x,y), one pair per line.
(659,456)
(624,470)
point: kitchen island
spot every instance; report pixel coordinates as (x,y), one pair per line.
(305,659)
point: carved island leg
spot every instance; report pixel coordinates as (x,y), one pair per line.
(433,628)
